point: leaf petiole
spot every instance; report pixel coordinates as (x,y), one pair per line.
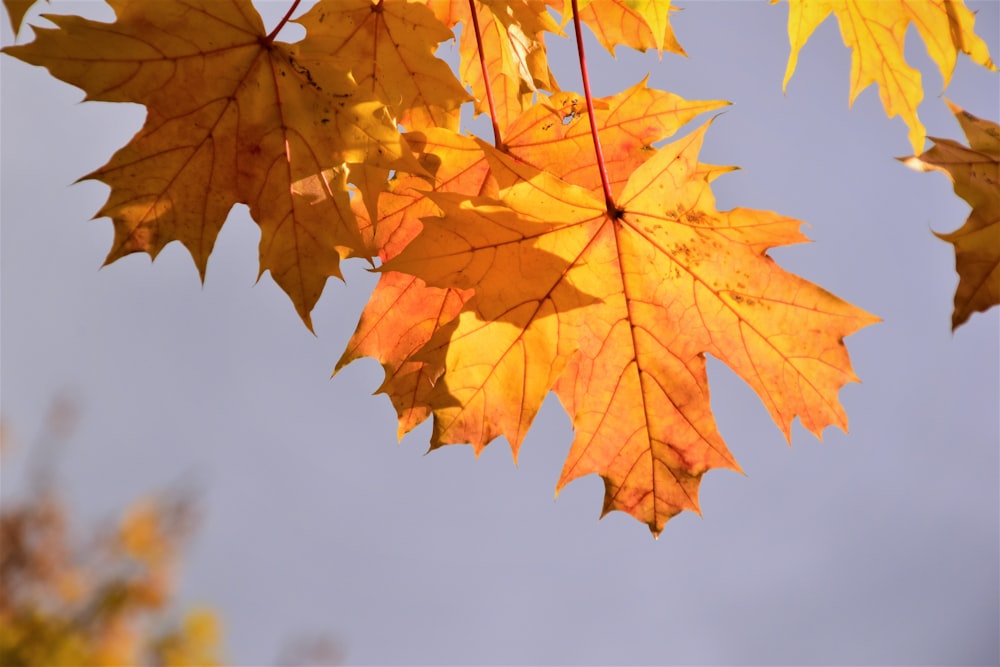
(613,211)
(486,76)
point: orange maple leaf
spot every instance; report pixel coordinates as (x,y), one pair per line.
(876,31)
(403,313)
(554,135)
(616,313)
(975,172)
(233,116)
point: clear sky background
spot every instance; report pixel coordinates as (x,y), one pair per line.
(876,547)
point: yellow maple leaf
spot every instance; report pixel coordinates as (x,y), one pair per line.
(512,34)
(233,116)
(501,355)
(616,314)
(389,48)
(640,24)
(875,31)
(975,172)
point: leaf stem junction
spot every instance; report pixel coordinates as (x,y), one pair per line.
(281,24)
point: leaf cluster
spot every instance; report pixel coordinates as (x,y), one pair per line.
(576,253)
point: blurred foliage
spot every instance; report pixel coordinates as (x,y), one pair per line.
(99,601)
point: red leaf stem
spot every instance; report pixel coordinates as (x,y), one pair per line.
(281,24)
(605,183)
(486,76)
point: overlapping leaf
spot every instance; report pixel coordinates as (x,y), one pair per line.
(640,24)
(975,172)
(616,314)
(875,31)
(555,136)
(389,48)
(512,33)
(232,117)
(506,275)
(403,313)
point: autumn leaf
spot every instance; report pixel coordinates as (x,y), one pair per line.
(512,319)
(403,313)
(875,31)
(975,172)
(539,264)
(640,24)
(512,34)
(554,135)
(233,117)
(616,314)
(389,49)
(16,10)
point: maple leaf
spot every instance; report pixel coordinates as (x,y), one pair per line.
(501,354)
(16,10)
(512,34)
(403,313)
(616,313)
(233,116)
(876,31)
(554,135)
(640,24)
(507,272)
(389,48)
(975,172)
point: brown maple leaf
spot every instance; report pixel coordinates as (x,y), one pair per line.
(975,172)
(16,10)
(233,117)
(616,314)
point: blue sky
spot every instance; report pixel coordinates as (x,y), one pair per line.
(876,547)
